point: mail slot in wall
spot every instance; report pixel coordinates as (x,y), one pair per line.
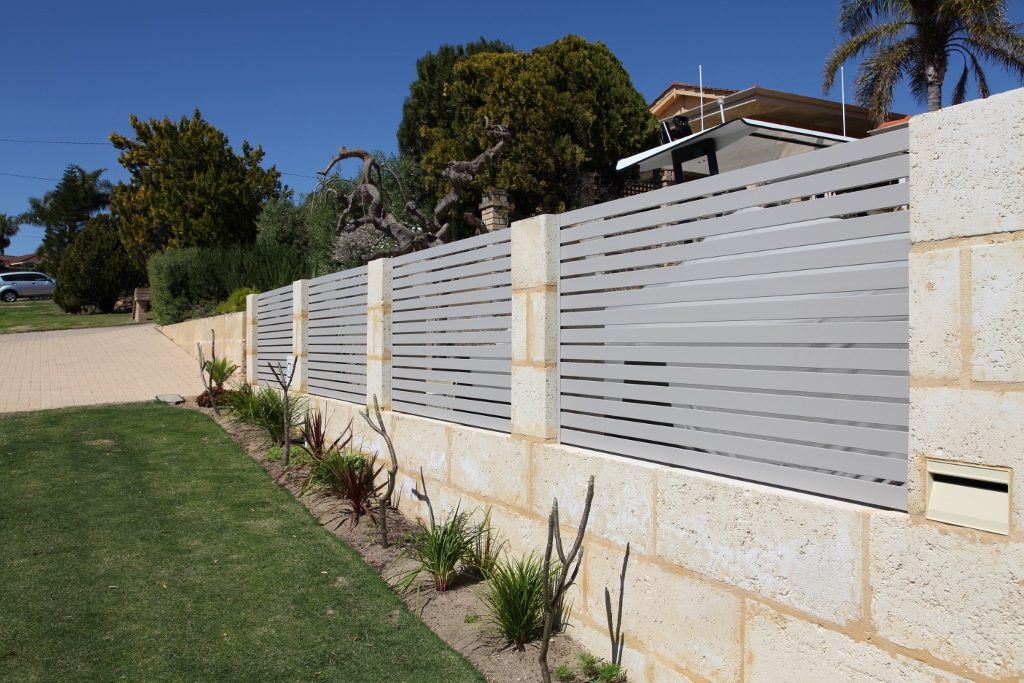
(969,495)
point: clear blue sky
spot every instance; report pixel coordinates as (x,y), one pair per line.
(304,78)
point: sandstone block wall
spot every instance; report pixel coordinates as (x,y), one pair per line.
(229,330)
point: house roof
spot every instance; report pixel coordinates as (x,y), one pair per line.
(693,87)
(738,143)
(11,261)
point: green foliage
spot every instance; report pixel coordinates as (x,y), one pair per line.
(263,407)
(190,283)
(275,453)
(316,442)
(235,302)
(588,664)
(471,619)
(64,211)
(351,476)
(564,673)
(219,370)
(9,226)
(428,106)
(610,672)
(514,599)
(95,271)
(897,40)
(438,550)
(572,110)
(485,550)
(188,187)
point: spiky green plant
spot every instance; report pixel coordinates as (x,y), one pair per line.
(263,407)
(914,40)
(220,371)
(438,550)
(485,550)
(513,596)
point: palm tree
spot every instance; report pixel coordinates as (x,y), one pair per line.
(915,39)
(8,228)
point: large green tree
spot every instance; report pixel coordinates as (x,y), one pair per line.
(95,271)
(914,40)
(64,210)
(188,187)
(9,226)
(428,105)
(572,112)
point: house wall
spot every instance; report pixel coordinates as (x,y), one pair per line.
(229,330)
(729,580)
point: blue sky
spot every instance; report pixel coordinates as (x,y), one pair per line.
(304,78)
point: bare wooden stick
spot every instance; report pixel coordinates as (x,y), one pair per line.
(202,376)
(278,373)
(386,500)
(554,591)
(615,624)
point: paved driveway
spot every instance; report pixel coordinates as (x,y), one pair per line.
(84,367)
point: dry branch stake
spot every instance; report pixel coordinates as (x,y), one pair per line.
(553,594)
(385,500)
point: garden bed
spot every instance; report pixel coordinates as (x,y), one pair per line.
(457,615)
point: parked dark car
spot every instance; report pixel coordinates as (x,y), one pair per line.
(24,285)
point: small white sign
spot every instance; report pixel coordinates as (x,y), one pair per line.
(290,363)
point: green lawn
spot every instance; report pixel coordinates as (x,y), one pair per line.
(33,315)
(140,543)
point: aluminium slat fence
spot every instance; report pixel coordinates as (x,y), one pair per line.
(451,332)
(273,332)
(752,324)
(337,336)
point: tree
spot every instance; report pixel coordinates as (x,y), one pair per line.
(572,112)
(9,226)
(188,187)
(95,270)
(428,105)
(914,40)
(64,210)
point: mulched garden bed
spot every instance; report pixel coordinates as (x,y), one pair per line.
(445,613)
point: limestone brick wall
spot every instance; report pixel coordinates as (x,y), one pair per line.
(229,330)
(729,580)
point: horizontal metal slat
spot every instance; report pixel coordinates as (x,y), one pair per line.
(469,405)
(496,325)
(469,364)
(754,356)
(468,311)
(454,390)
(868,332)
(497,424)
(475,378)
(847,383)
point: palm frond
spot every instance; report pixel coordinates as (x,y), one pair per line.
(877,37)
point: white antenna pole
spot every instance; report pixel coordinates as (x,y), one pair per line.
(721,108)
(700,81)
(842,86)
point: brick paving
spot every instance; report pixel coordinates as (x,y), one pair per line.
(63,368)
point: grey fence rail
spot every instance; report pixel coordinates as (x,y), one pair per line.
(451,332)
(337,336)
(273,331)
(751,324)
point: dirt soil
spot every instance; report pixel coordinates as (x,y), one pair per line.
(445,613)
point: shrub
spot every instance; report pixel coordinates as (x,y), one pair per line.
(564,674)
(351,476)
(95,271)
(220,371)
(513,597)
(314,435)
(191,282)
(439,549)
(485,550)
(264,408)
(235,303)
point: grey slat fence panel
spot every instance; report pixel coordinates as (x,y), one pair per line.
(273,332)
(451,353)
(752,324)
(337,335)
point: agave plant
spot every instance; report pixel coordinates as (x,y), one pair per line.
(220,371)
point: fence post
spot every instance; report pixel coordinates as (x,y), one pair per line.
(378,332)
(251,338)
(300,335)
(535,328)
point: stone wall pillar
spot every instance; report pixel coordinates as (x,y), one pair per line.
(967,292)
(251,302)
(535,328)
(378,333)
(300,335)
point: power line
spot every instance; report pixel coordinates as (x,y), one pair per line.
(32,177)
(51,142)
